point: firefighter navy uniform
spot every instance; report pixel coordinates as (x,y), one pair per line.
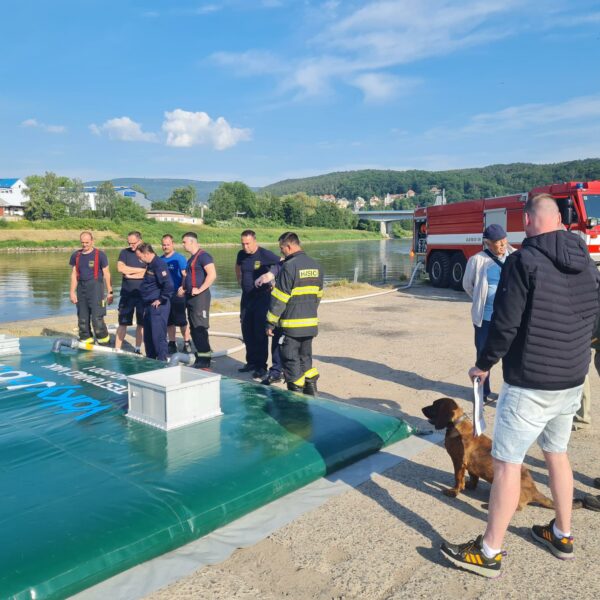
(130,301)
(198,307)
(91,304)
(156,285)
(255,304)
(293,309)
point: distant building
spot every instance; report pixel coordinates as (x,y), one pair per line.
(91,191)
(411,194)
(359,203)
(13,195)
(389,198)
(374,201)
(328,198)
(172,216)
(343,202)
(435,190)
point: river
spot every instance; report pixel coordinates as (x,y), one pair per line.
(34,285)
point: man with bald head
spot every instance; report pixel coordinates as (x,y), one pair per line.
(544,313)
(89,275)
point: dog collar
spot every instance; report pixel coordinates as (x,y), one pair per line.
(460,419)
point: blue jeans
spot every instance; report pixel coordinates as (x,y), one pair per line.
(481,335)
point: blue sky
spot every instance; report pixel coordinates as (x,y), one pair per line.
(262,90)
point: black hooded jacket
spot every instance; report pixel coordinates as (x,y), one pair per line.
(544,313)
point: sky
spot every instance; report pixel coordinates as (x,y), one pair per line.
(265,90)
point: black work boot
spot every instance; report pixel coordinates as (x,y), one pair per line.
(171,347)
(293,387)
(202,362)
(310,386)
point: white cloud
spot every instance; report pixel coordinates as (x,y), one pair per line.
(43,126)
(536,115)
(381,87)
(185,129)
(207,9)
(251,62)
(359,45)
(123,129)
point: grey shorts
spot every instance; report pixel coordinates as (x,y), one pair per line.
(524,415)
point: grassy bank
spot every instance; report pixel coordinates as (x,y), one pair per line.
(40,235)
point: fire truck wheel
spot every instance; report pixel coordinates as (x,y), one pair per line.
(439,269)
(458,262)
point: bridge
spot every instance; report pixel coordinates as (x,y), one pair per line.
(385,218)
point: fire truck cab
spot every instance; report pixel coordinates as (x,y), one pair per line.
(446,236)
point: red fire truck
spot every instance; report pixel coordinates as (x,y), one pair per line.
(446,236)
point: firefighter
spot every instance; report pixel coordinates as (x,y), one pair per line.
(293,309)
(156,291)
(89,274)
(176,263)
(252,262)
(200,274)
(133,270)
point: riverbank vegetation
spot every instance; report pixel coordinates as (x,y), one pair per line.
(59,204)
(49,234)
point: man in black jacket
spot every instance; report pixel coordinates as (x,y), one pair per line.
(293,309)
(544,313)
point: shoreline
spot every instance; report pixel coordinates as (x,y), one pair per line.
(24,250)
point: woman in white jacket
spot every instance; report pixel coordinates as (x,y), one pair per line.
(482,275)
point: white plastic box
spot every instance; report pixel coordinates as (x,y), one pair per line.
(174,397)
(9,345)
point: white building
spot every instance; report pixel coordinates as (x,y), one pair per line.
(91,191)
(12,197)
(172,216)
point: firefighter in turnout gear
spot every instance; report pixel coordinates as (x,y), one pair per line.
(293,309)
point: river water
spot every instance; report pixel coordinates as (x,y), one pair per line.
(34,285)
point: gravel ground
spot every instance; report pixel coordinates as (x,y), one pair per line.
(395,354)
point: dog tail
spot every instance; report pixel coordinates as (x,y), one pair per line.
(542,500)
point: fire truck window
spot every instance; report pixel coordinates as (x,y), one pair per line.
(592,205)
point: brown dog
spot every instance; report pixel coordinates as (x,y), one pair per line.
(473,454)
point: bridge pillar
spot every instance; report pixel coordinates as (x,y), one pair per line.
(383,228)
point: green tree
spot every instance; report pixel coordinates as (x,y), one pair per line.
(44,193)
(74,197)
(183,199)
(294,211)
(107,200)
(233,199)
(160,205)
(222,204)
(127,209)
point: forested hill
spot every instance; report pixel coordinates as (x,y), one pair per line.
(161,189)
(460,184)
